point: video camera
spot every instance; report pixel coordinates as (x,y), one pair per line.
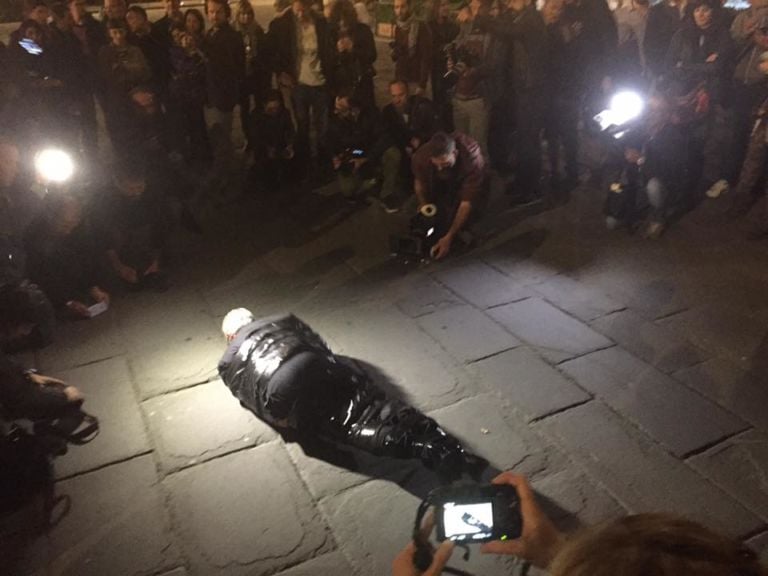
(469,514)
(423,233)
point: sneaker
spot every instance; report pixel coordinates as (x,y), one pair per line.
(390,204)
(718,188)
(654,230)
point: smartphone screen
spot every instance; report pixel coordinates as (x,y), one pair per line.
(468,522)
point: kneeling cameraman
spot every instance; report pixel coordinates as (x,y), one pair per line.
(450,171)
(25,395)
(361,150)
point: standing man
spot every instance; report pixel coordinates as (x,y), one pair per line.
(303,62)
(522,28)
(411,48)
(225,74)
(161,29)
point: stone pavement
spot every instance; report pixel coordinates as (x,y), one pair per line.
(621,375)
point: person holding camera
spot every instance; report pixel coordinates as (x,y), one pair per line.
(450,171)
(284,373)
(411,48)
(636,545)
(361,151)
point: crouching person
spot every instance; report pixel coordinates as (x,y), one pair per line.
(53,406)
(284,373)
(450,172)
(362,152)
(654,175)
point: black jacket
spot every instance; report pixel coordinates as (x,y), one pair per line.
(284,45)
(663,23)
(359,132)
(256,355)
(526,37)
(686,61)
(225,68)
(421,122)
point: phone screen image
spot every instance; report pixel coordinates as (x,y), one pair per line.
(467,522)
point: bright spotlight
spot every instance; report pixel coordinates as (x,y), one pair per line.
(53,165)
(624,107)
(627,106)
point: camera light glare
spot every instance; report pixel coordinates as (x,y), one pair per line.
(54,165)
(626,106)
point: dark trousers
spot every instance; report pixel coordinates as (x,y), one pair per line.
(743,100)
(528,124)
(311,108)
(562,129)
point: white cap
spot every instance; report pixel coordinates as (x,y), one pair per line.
(234,320)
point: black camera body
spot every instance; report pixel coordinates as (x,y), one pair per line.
(423,233)
(477,513)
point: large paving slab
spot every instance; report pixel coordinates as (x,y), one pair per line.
(110,397)
(359,517)
(333,563)
(625,279)
(149,321)
(724,330)
(485,425)
(117,524)
(655,344)
(246,513)
(573,501)
(528,383)
(742,392)
(201,423)
(79,343)
(466,333)
(176,364)
(556,335)
(422,295)
(381,335)
(481,285)
(740,467)
(678,417)
(579,300)
(639,474)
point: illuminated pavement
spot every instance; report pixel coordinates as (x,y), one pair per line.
(619,374)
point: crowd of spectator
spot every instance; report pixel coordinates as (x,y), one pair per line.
(511,86)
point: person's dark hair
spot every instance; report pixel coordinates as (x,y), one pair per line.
(30,5)
(224,3)
(441,144)
(245,6)
(197,15)
(343,11)
(116,23)
(59,10)
(138,10)
(29,23)
(22,304)
(658,544)
(348,93)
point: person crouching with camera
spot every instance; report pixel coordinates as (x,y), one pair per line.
(361,151)
(451,172)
